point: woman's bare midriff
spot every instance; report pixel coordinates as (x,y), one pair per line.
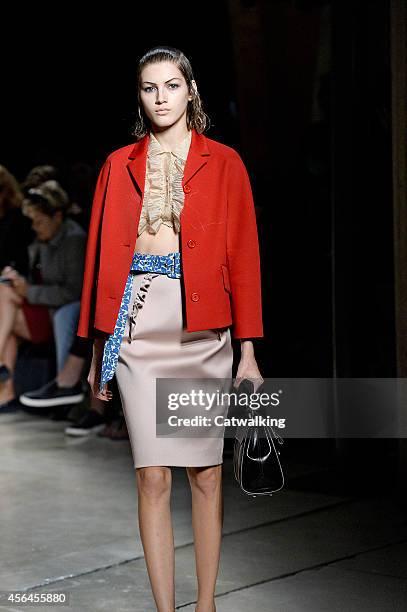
(165,241)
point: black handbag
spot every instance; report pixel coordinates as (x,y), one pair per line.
(256,460)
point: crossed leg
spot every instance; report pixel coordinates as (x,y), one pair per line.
(13,329)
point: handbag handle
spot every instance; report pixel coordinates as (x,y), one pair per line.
(263,457)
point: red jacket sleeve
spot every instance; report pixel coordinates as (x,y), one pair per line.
(87,308)
(243,254)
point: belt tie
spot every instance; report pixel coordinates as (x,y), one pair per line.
(154,265)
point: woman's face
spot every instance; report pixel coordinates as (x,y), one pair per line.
(163,88)
(44,226)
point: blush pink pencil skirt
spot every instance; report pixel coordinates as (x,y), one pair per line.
(162,348)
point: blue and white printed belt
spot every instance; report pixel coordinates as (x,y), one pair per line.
(154,265)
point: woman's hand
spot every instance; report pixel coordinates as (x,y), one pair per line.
(95,369)
(8,272)
(18,282)
(248,366)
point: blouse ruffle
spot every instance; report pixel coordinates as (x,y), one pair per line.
(163,194)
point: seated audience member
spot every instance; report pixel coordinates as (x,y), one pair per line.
(38,175)
(65,318)
(15,229)
(55,276)
(72,351)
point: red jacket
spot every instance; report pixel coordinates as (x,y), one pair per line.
(220,261)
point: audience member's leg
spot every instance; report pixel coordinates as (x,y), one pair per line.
(65,323)
(82,347)
(80,352)
(13,326)
(9,307)
(66,388)
(71,373)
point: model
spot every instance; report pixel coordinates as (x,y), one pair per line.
(172,274)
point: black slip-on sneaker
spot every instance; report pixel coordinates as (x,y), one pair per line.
(90,423)
(51,394)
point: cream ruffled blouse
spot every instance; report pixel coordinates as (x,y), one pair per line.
(163,194)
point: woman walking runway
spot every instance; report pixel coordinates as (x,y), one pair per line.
(172,274)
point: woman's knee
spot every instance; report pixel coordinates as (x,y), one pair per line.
(20,328)
(207,480)
(154,481)
(8,295)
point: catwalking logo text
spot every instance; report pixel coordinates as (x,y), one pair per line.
(221,421)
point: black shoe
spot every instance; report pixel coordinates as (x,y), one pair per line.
(12,405)
(51,394)
(90,423)
(5,373)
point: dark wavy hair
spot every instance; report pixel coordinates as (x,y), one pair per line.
(13,196)
(196,117)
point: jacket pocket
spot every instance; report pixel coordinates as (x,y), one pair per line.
(226,278)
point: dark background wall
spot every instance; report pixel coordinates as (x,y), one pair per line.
(69,88)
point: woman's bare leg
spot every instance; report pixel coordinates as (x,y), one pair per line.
(154,513)
(8,312)
(13,327)
(207,522)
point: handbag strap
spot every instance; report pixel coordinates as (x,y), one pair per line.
(277,436)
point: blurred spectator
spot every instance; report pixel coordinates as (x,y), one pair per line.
(38,175)
(55,276)
(15,229)
(71,350)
